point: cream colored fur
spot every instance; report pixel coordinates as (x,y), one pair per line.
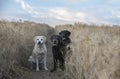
(39,53)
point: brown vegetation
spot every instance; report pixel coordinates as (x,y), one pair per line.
(16,44)
(95,50)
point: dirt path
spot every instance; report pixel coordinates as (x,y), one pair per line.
(42,74)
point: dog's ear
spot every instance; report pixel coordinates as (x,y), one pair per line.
(44,38)
(68,33)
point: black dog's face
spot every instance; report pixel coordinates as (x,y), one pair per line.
(56,40)
(64,34)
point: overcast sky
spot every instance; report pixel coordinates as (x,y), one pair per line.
(62,11)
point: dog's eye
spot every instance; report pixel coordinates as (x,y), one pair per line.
(41,39)
(37,39)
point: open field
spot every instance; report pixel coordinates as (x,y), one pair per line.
(95,51)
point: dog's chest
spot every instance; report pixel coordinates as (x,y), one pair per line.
(56,51)
(39,50)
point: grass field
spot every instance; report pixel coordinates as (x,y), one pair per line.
(95,51)
(16,44)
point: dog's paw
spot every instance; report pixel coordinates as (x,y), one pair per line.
(37,70)
(52,70)
(46,68)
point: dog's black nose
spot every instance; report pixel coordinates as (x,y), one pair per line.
(54,42)
(39,42)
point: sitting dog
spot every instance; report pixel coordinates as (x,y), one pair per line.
(39,53)
(58,55)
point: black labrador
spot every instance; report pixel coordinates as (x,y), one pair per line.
(58,44)
(57,52)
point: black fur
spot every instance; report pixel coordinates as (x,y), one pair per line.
(59,43)
(65,37)
(65,33)
(57,52)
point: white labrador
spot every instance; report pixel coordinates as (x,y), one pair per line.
(39,53)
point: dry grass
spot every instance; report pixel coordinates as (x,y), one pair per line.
(96,52)
(16,44)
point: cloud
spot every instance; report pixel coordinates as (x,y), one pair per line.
(116,13)
(64,14)
(10,18)
(61,14)
(80,15)
(68,1)
(27,7)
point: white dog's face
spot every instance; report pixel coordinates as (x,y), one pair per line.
(39,40)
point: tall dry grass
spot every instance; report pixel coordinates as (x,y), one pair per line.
(16,44)
(95,52)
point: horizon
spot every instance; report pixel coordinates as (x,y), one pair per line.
(55,12)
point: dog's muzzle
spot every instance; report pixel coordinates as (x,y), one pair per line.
(63,38)
(55,43)
(40,43)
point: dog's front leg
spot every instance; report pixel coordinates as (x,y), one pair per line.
(55,65)
(37,64)
(45,66)
(62,64)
